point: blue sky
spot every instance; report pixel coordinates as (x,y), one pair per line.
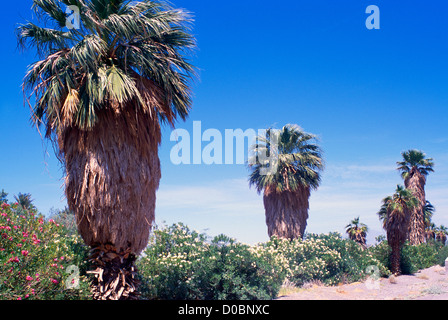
(368,95)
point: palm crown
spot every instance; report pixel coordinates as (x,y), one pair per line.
(396,204)
(415,160)
(356,227)
(125,54)
(297,156)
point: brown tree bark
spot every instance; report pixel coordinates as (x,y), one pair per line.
(416,182)
(286,212)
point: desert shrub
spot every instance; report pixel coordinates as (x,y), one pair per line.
(183,264)
(35,255)
(327,258)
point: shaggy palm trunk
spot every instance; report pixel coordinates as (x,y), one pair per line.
(286,212)
(395,259)
(397,229)
(416,182)
(441,238)
(112,174)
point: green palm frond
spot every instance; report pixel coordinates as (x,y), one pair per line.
(415,159)
(124,53)
(298,160)
(403,199)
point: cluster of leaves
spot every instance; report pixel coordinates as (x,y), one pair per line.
(181,264)
(413,258)
(327,258)
(38,259)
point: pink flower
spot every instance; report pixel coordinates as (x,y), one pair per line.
(25,253)
(28,278)
(54,281)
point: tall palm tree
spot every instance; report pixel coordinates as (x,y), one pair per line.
(287,185)
(414,169)
(357,232)
(396,222)
(441,234)
(101,92)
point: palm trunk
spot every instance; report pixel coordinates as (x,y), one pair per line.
(286,212)
(416,182)
(395,259)
(112,174)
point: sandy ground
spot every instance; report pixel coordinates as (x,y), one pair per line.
(429,284)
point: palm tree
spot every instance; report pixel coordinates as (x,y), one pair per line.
(24,201)
(397,222)
(357,232)
(287,180)
(441,234)
(430,233)
(429,211)
(414,168)
(101,93)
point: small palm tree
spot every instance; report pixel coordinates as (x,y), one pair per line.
(24,200)
(357,232)
(101,92)
(429,211)
(414,169)
(398,208)
(286,186)
(430,233)
(441,234)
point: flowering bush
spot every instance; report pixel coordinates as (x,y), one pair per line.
(181,264)
(327,258)
(35,255)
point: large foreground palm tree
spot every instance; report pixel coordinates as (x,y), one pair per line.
(414,169)
(396,214)
(286,178)
(100,92)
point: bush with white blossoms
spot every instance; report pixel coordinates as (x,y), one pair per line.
(183,264)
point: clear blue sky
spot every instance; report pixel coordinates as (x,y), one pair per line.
(368,94)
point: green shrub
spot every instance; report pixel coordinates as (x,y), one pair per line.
(35,255)
(181,264)
(327,258)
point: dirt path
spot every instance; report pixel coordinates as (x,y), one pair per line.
(429,284)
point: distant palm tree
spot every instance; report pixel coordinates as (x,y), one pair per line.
(357,232)
(441,234)
(414,168)
(24,200)
(101,92)
(397,222)
(430,232)
(287,187)
(429,211)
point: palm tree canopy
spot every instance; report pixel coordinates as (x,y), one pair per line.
(429,211)
(297,156)
(126,54)
(415,159)
(397,203)
(24,200)
(356,226)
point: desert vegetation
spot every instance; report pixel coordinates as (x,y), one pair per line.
(46,258)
